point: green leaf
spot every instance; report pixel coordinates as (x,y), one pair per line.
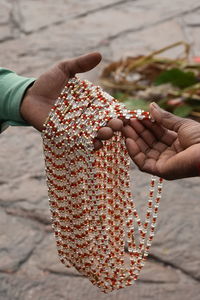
(163,103)
(183,110)
(177,78)
(194,103)
(120,96)
(132,104)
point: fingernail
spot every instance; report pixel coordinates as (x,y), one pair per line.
(155,112)
(155,106)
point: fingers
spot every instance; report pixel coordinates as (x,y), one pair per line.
(150,150)
(143,132)
(160,133)
(165,118)
(106,133)
(80,64)
(135,153)
(154,134)
(115,124)
(143,138)
(143,162)
(151,137)
(130,133)
(98,144)
(156,130)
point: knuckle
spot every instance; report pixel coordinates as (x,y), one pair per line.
(60,65)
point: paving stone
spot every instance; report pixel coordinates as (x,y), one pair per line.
(92,32)
(192,19)
(44,260)
(193,39)
(62,287)
(178,222)
(177,239)
(20,158)
(5,12)
(136,43)
(33,36)
(5,33)
(168,10)
(18,239)
(56,12)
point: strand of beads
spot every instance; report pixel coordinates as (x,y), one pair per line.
(96,224)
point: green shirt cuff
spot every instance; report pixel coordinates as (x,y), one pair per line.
(12,90)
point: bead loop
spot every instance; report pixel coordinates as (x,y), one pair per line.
(96,224)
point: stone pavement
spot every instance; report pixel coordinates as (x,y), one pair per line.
(33,36)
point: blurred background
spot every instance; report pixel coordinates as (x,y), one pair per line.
(34,35)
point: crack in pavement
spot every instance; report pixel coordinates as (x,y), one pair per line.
(18,25)
(6,39)
(193,25)
(80,16)
(60,273)
(5,204)
(72,275)
(143,27)
(21,262)
(14,21)
(16,17)
(108,6)
(40,219)
(29,214)
(150,281)
(47,223)
(26,258)
(187,37)
(2,182)
(157,259)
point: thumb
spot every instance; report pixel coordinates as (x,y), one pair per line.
(80,64)
(165,118)
(51,83)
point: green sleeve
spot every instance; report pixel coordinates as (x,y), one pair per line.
(12,90)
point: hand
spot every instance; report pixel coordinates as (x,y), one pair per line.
(41,96)
(168,147)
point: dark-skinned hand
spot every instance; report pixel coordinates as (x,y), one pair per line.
(41,96)
(168,147)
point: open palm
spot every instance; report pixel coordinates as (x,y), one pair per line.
(168,148)
(41,96)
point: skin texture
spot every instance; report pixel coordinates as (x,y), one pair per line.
(168,147)
(41,96)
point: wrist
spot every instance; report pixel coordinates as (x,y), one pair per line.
(24,105)
(35,108)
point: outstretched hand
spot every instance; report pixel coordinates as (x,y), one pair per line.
(168,147)
(41,96)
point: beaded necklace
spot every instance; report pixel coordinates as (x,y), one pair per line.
(95,221)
